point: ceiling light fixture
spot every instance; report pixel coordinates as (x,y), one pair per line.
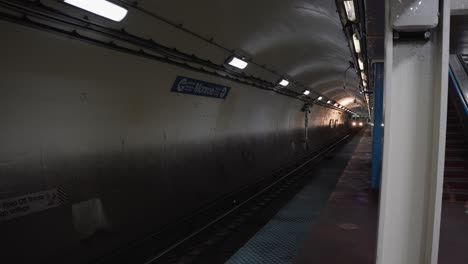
(350,13)
(361,64)
(364,76)
(236,62)
(357,44)
(101,7)
(284,83)
(306,92)
(320,98)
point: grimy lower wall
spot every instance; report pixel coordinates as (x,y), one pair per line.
(126,155)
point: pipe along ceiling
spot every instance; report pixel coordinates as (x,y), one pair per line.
(301,49)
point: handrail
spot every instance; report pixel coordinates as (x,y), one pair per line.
(459,91)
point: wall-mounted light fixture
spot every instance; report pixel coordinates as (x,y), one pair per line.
(236,62)
(100,7)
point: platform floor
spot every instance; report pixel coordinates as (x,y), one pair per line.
(453,247)
(281,238)
(347,229)
(334,219)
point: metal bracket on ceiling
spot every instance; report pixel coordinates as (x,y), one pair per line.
(306,107)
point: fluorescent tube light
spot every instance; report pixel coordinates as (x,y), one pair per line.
(350,13)
(364,76)
(361,64)
(238,63)
(101,7)
(284,83)
(357,43)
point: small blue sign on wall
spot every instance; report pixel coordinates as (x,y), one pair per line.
(187,85)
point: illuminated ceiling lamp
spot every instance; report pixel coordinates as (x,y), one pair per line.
(284,83)
(236,62)
(350,12)
(361,64)
(306,92)
(101,8)
(320,98)
(329,102)
(363,76)
(357,43)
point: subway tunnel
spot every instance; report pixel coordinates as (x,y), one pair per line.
(304,131)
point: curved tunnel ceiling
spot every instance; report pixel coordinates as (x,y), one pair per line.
(302,40)
(299,40)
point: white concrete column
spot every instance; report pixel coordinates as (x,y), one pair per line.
(416,76)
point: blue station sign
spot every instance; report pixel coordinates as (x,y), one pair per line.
(191,86)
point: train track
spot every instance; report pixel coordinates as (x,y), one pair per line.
(218,240)
(214,233)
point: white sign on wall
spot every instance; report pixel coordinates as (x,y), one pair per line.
(27,204)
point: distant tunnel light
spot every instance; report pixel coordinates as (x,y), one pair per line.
(357,44)
(306,92)
(361,64)
(238,63)
(354,123)
(350,13)
(361,124)
(284,83)
(320,98)
(101,7)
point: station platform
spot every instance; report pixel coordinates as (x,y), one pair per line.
(347,229)
(333,213)
(334,219)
